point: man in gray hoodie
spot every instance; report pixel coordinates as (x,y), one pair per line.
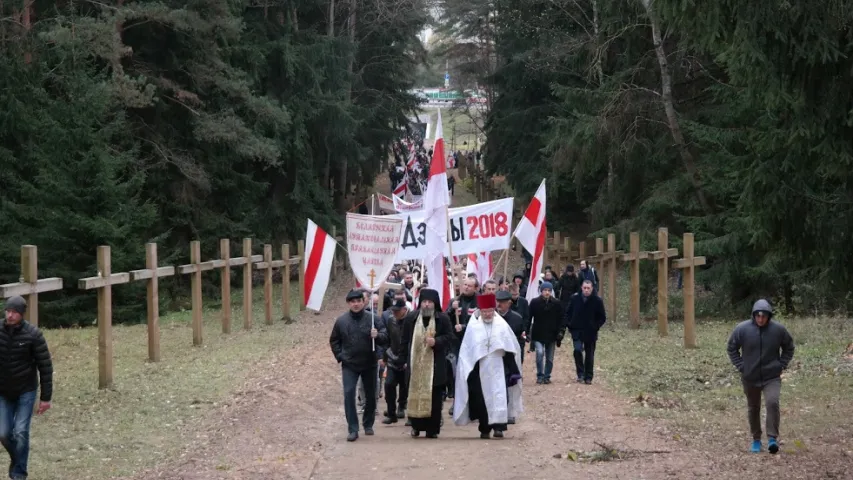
(761,349)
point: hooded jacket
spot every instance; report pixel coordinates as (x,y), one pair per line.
(760,353)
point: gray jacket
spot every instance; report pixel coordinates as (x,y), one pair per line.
(760,353)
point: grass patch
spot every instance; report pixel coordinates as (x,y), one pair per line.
(147,415)
(458,127)
(701,392)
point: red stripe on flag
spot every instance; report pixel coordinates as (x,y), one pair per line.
(437,166)
(314,261)
(532,213)
(537,256)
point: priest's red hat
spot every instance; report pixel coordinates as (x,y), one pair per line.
(487,300)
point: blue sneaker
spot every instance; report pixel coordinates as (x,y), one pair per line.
(756,446)
(772,446)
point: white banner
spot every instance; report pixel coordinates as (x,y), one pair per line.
(385,203)
(373,244)
(473,229)
(401,205)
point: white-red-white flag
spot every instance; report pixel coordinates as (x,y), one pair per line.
(531,234)
(403,186)
(319,255)
(480,264)
(436,202)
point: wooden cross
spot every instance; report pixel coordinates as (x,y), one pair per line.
(267,265)
(151,273)
(662,255)
(197,266)
(372,276)
(103,283)
(634,258)
(689,264)
(29,285)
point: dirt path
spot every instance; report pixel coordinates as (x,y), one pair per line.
(287,422)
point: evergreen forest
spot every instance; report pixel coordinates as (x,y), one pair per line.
(124,122)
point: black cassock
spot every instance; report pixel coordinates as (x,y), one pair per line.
(477,403)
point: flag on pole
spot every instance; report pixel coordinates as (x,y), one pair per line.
(436,202)
(531,234)
(480,264)
(320,253)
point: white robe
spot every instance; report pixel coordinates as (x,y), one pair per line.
(478,347)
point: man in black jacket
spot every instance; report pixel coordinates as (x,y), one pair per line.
(546,319)
(26,365)
(395,363)
(352,344)
(515,321)
(584,318)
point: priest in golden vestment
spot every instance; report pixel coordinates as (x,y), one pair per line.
(427,333)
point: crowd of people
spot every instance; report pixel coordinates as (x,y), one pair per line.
(472,353)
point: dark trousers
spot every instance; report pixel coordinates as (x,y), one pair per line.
(393,379)
(350,380)
(584,353)
(451,379)
(771,390)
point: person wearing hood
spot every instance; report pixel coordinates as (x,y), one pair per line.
(352,341)
(26,366)
(761,349)
(427,333)
(546,318)
(519,280)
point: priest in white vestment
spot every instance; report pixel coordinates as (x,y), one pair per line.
(488,372)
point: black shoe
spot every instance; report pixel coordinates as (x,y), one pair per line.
(389,420)
(415,433)
(353,436)
(546,381)
(385,413)
(368,431)
(431,435)
(401,413)
(588,382)
(485,436)
(450,412)
(499,434)
(510,421)
(580,379)
(539,381)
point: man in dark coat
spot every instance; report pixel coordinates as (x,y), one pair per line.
(26,365)
(584,318)
(569,285)
(352,345)
(521,306)
(395,367)
(459,312)
(427,334)
(761,348)
(546,318)
(515,321)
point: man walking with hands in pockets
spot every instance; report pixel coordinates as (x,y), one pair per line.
(761,349)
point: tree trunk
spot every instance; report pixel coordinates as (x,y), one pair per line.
(341,203)
(330,32)
(26,22)
(687,156)
(599,73)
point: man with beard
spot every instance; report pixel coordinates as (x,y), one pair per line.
(584,318)
(488,383)
(546,320)
(427,334)
(395,367)
(352,344)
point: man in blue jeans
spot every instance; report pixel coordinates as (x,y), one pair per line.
(546,317)
(26,364)
(352,344)
(584,317)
